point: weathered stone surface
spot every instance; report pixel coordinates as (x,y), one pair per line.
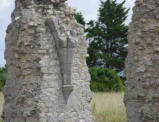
(46,83)
(142,86)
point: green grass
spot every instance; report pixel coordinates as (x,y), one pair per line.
(106,107)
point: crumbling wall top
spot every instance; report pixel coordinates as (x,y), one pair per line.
(51,1)
(27,3)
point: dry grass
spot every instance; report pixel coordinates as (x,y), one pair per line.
(107,107)
(1,104)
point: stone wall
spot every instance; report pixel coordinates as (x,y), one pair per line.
(48,78)
(142,86)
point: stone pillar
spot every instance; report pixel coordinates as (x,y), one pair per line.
(142,72)
(48,79)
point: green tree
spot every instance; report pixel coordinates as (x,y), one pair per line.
(105,80)
(3,75)
(107,36)
(79,18)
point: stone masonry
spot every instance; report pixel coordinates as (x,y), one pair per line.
(142,71)
(48,79)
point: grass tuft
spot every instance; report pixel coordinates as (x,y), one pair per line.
(108,107)
(1,104)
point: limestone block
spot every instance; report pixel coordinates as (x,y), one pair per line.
(48,79)
(141,63)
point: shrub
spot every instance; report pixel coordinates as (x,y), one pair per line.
(3,75)
(105,80)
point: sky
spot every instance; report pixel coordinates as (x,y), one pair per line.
(89,9)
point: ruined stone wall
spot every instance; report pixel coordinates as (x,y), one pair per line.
(43,84)
(142,72)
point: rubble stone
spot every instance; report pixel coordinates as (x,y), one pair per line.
(142,72)
(46,82)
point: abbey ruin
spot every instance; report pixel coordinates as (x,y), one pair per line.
(142,87)
(48,78)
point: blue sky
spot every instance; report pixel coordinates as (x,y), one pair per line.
(89,9)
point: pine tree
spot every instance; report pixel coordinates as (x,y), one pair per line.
(108,35)
(79,18)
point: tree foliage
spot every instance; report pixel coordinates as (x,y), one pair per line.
(3,75)
(107,36)
(105,80)
(79,18)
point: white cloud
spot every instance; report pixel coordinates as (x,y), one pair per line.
(6,7)
(89,8)
(5,3)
